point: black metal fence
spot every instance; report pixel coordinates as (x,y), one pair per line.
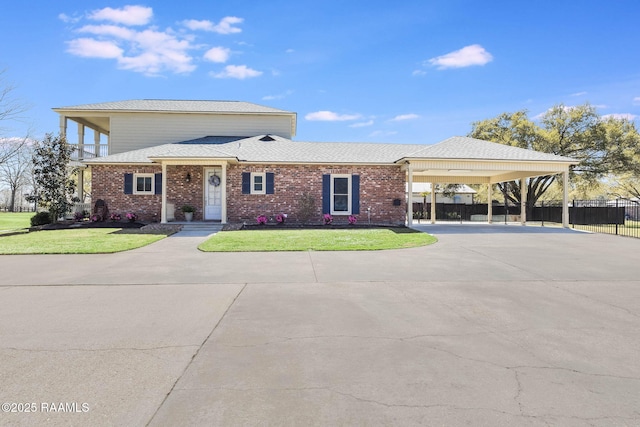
(17,209)
(620,217)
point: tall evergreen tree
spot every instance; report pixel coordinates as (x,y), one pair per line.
(54,188)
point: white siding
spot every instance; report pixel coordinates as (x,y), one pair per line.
(132,131)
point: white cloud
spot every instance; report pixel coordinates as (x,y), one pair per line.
(240,72)
(419,73)
(90,48)
(68,19)
(466,57)
(217,54)
(128,15)
(150,50)
(621,116)
(289,51)
(578,94)
(403,117)
(362,124)
(279,96)
(636,100)
(377,133)
(109,30)
(330,116)
(225,26)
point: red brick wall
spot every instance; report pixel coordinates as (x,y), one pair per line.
(107,183)
(379,186)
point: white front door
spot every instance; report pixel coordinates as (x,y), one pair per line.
(213,194)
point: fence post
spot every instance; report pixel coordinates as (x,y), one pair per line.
(616,216)
(542,207)
(575,212)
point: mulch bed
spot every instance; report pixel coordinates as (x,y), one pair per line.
(275,226)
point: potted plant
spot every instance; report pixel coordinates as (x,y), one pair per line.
(188,211)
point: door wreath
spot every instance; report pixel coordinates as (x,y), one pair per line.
(214,180)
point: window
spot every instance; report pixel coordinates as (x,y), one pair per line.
(143,183)
(341,194)
(258,183)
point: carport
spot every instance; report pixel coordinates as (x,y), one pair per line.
(463,160)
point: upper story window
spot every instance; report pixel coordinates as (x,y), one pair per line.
(143,183)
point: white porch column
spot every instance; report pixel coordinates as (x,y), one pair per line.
(80,189)
(163,207)
(224,193)
(409,195)
(565,199)
(489,203)
(433,203)
(63,126)
(80,141)
(96,142)
(523,201)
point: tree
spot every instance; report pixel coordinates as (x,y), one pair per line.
(602,146)
(11,109)
(54,188)
(15,170)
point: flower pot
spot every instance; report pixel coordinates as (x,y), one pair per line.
(188,216)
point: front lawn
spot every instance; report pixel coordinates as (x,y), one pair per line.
(76,241)
(316,240)
(11,221)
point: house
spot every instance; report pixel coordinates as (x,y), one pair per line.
(235,160)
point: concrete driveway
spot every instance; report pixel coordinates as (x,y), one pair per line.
(493,325)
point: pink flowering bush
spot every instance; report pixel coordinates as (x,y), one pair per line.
(353,219)
(131,216)
(95,218)
(115,217)
(281,218)
(261,219)
(327,219)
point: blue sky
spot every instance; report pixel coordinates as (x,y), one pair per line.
(375,71)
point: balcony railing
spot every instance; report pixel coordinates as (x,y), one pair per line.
(82,152)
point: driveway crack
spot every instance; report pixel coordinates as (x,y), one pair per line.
(195,354)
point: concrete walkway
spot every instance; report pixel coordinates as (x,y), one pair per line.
(492,325)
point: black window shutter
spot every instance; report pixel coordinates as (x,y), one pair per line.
(128,183)
(270,184)
(355,194)
(158,183)
(326,194)
(246,183)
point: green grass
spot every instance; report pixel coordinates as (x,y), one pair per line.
(77,241)
(12,221)
(316,240)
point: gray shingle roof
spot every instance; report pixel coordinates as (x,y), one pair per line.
(462,147)
(283,150)
(182,106)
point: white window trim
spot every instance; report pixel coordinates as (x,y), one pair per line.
(349,195)
(264,182)
(144,175)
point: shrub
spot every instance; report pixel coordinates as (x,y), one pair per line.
(41,218)
(261,219)
(327,219)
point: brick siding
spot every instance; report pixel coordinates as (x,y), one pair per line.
(379,187)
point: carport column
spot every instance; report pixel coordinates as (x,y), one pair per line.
(80,189)
(63,126)
(565,198)
(433,203)
(523,201)
(489,204)
(163,207)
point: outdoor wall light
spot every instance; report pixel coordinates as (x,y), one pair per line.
(188,177)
